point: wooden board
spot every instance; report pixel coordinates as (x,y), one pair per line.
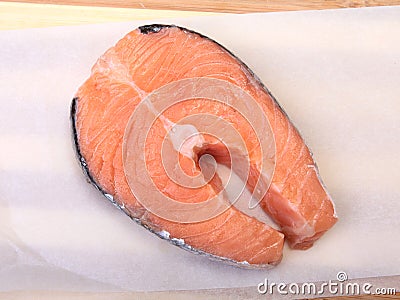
(44,13)
(28,15)
(237,6)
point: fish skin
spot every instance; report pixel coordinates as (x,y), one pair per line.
(295,242)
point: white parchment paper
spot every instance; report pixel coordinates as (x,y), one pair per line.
(337,75)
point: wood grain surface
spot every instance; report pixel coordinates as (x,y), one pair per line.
(27,15)
(236,6)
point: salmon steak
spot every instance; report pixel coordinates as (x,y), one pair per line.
(160,112)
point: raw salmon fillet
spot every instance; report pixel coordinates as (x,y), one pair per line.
(151,57)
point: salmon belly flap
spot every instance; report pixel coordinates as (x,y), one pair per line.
(155,57)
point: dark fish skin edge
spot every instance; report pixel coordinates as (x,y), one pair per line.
(148,29)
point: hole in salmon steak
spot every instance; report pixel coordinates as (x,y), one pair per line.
(217,156)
